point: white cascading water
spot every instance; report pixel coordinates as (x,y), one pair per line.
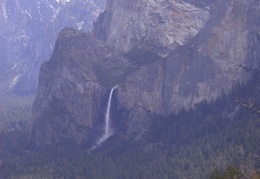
(107,128)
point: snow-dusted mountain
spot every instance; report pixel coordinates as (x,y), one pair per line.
(28,32)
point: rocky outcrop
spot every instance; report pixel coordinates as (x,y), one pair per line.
(224,53)
(27,35)
(74,85)
(170,55)
(154,23)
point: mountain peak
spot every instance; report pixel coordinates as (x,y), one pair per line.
(164,24)
(205,54)
(28,32)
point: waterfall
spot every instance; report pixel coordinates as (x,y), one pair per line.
(107,128)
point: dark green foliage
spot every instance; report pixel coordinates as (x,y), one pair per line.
(118,158)
(211,135)
(111,74)
(108,76)
(230,173)
(215,175)
(15,112)
(140,57)
(190,144)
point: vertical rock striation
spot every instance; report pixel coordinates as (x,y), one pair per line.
(222,54)
(27,35)
(72,91)
(153,23)
(165,55)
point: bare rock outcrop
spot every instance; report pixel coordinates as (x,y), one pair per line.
(154,23)
(73,87)
(223,54)
(164,55)
(28,32)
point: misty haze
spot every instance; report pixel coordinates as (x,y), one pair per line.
(130,89)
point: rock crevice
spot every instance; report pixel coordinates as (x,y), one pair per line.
(169,55)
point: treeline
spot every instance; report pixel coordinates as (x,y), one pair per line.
(15,112)
(213,135)
(196,144)
(232,173)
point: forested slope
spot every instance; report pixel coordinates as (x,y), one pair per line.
(190,144)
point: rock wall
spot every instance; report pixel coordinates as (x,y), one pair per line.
(169,55)
(28,31)
(155,23)
(73,87)
(223,53)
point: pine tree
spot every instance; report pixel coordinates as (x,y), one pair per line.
(215,175)
(231,173)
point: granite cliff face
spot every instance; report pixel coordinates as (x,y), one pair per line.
(154,23)
(169,55)
(221,55)
(27,35)
(74,85)
(224,53)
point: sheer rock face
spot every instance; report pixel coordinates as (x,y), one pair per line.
(163,24)
(224,53)
(199,64)
(71,94)
(27,35)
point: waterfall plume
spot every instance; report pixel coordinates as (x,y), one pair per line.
(107,128)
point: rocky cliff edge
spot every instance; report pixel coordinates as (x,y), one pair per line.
(175,55)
